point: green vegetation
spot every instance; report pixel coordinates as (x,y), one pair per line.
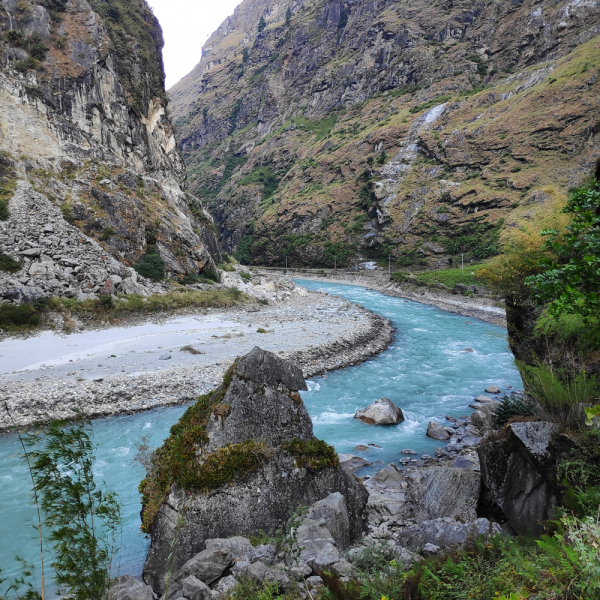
(19,317)
(4,212)
(81,521)
(261,24)
(8,265)
(261,330)
(314,454)
(513,406)
(137,43)
(264,176)
(321,128)
(570,283)
(478,238)
(429,104)
(448,277)
(482,68)
(152,267)
(8,183)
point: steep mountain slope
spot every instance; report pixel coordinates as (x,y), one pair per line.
(83,122)
(404,127)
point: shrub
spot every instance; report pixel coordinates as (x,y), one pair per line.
(19,317)
(513,406)
(4,212)
(151,267)
(264,176)
(314,454)
(67,214)
(570,282)
(107,233)
(261,330)
(9,265)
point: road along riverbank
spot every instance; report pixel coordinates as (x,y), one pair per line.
(484,307)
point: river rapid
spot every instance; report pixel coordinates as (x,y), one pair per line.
(427,371)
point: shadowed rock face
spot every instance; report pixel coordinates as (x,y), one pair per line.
(261,403)
(83,119)
(519,473)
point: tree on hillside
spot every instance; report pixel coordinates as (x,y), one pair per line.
(288,15)
(570,283)
(261,24)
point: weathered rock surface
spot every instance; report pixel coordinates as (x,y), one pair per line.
(519,473)
(126,587)
(85,124)
(262,499)
(380,412)
(437,431)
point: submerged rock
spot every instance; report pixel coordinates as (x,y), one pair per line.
(282,466)
(380,412)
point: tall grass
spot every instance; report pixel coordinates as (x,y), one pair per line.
(559,390)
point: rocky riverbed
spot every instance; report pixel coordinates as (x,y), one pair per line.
(172,361)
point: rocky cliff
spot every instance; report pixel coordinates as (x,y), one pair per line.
(84,125)
(323,128)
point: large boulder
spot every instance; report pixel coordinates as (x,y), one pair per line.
(380,412)
(126,587)
(438,432)
(519,473)
(258,401)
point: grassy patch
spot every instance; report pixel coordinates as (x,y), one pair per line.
(8,265)
(313,454)
(264,176)
(152,267)
(20,317)
(448,277)
(429,104)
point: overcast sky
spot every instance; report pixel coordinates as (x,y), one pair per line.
(186,25)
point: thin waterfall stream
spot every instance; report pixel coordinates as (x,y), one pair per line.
(437,363)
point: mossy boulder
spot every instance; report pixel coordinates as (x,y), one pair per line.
(239,462)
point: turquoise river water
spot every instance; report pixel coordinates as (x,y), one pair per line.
(425,371)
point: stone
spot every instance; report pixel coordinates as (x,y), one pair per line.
(484,399)
(317,545)
(519,473)
(194,589)
(239,547)
(408,451)
(482,417)
(246,570)
(444,533)
(492,389)
(258,401)
(278,576)
(126,587)
(380,412)
(430,550)
(342,568)
(206,566)
(224,586)
(437,432)
(333,513)
(314,582)
(164,357)
(352,462)
(265,553)
(31,252)
(361,448)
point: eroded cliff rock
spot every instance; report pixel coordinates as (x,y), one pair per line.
(374,128)
(83,120)
(252,459)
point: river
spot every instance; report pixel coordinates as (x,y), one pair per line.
(426,371)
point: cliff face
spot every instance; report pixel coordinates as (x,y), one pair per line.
(402,127)
(83,121)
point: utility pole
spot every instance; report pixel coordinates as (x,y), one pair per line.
(389,264)
(462,262)
(334,262)
(286,262)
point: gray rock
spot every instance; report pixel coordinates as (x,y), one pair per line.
(246,570)
(126,587)
(519,473)
(380,412)
(265,553)
(278,576)
(314,582)
(194,589)
(317,545)
(239,547)
(164,357)
(342,568)
(333,513)
(408,451)
(206,566)
(444,533)
(492,389)
(263,498)
(430,550)
(388,477)
(484,399)
(437,432)
(482,417)
(225,585)
(352,462)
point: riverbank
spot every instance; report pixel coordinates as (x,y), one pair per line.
(121,370)
(483,307)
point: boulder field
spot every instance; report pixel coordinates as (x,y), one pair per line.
(243,490)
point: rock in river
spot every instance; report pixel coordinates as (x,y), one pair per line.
(437,432)
(257,423)
(381,412)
